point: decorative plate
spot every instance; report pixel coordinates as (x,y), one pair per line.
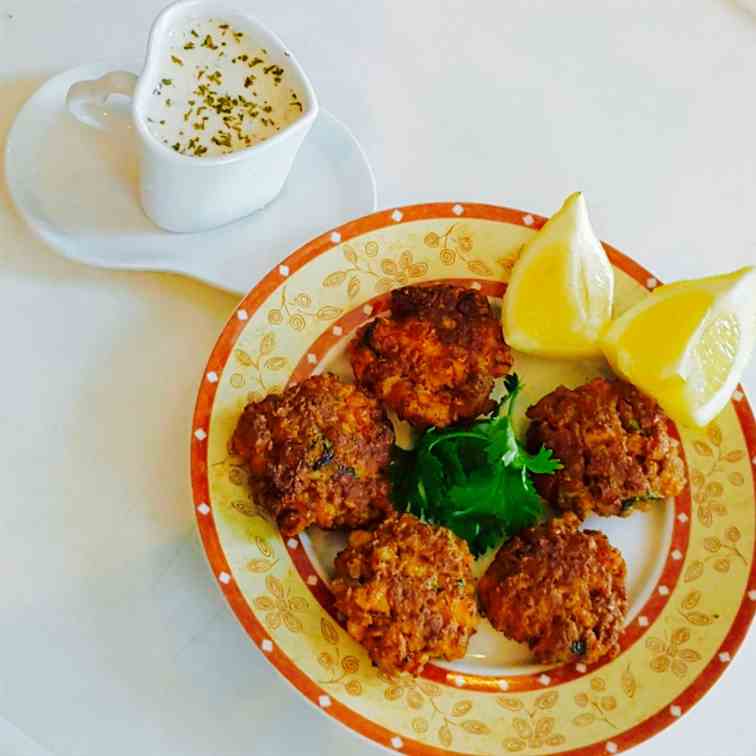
(691,575)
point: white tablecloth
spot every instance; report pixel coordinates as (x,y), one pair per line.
(113,637)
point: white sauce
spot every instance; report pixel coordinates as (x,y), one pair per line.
(217,92)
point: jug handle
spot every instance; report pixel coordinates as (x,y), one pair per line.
(84,96)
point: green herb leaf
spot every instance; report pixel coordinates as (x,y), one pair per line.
(474,480)
(543,463)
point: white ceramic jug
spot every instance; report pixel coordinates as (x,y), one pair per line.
(185,193)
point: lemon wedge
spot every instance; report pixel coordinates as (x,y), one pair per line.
(688,343)
(560,293)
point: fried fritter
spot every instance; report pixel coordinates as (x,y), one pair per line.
(434,360)
(317,454)
(614,445)
(407,592)
(560,590)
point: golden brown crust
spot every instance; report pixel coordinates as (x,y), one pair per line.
(434,360)
(560,590)
(614,445)
(317,454)
(407,592)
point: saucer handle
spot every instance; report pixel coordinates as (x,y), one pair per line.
(84,97)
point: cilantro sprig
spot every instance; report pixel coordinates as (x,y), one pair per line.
(475,480)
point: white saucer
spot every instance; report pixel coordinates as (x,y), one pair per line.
(77,188)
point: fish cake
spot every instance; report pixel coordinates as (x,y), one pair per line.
(434,359)
(407,592)
(317,454)
(559,589)
(614,445)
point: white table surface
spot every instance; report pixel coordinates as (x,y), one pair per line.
(113,637)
